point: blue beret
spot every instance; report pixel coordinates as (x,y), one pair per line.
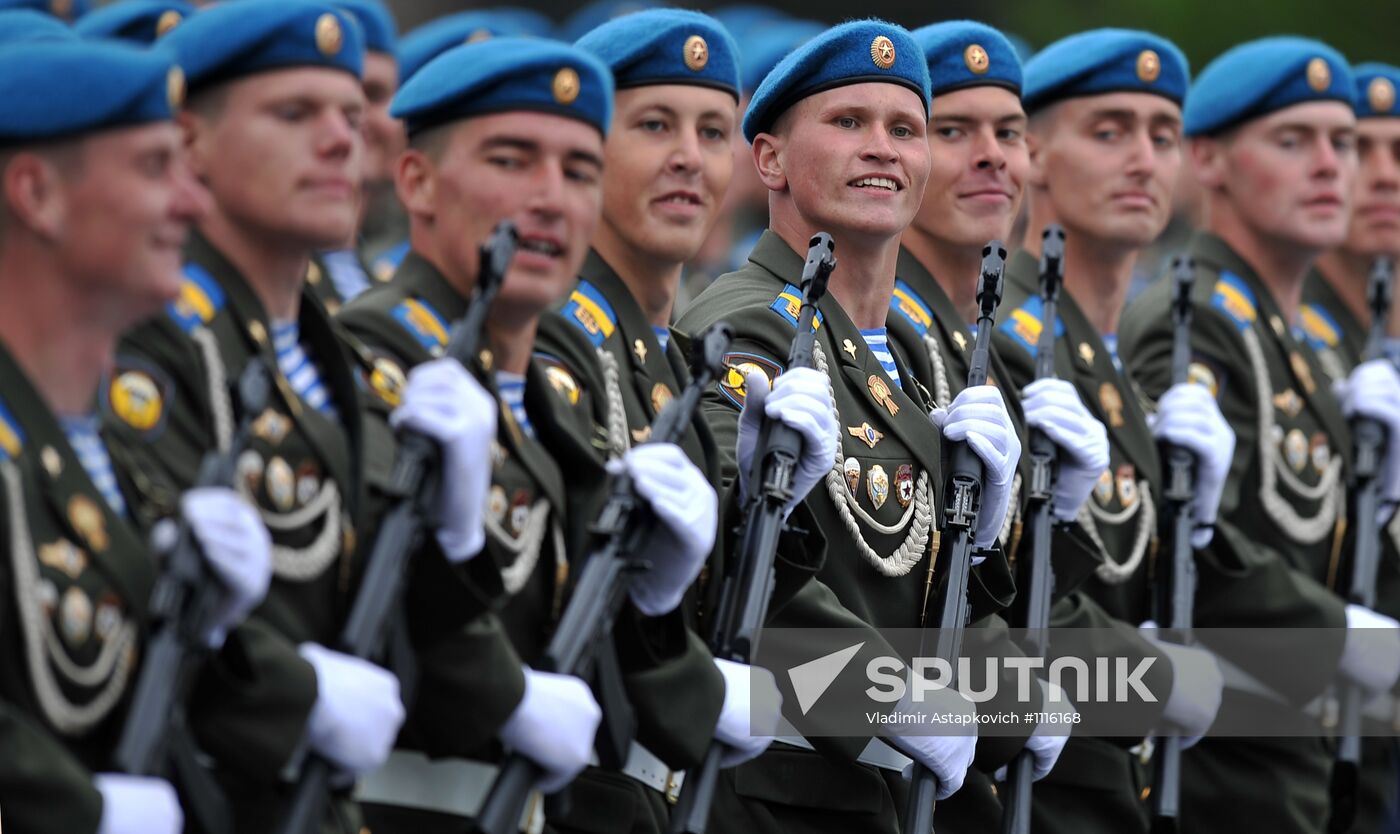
(375,20)
(857,52)
(436,37)
(1256,78)
(60,89)
(525,21)
(965,53)
(139,21)
(595,14)
(762,48)
(504,75)
(232,40)
(745,17)
(666,46)
(29,26)
(69,10)
(1375,91)
(1105,61)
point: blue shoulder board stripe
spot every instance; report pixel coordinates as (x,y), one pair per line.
(11,435)
(200,299)
(912,306)
(1024,326)
(1234,298)
(590,312)
(788,304)
(422,323)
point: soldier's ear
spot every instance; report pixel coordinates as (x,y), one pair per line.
(194,130)
(34,193)
(415,181)
(1208,159)
(768,159)
(1035,146)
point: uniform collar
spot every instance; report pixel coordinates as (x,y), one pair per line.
(651,365)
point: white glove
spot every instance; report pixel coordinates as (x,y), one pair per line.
(1048,740)
(1197,686)
(1373,390)
(554,726)
(948,756)
(801,399)
(1371,654)
(978,415)
(1188,416)
(237,547)
(138,805)
(752,707)
(357,713)
(1054,407)
(444,402)
(687,512)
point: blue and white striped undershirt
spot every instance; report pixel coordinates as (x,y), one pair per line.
(1110,341)
(81,431)
(300,370)
(663,335)
(512,389)
(347,276)
(878,341)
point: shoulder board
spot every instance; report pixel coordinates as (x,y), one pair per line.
(1023,326)
(1234,298)
(388,262)
(1320,329)
(200,299)
(908,303)
(11,435)
(788,304)
(422,323)
(590,312)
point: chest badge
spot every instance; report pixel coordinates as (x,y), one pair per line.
(660,396)
(1112,403)
(880,390)
(1103,488)
(1288,402)
(1086,353)
(1302,371)
(1295,450)
(849,347)
(904,484)
(852,471)
(272,427)
(86,518)
(960,340)
(640,348)
(877,484)
(866,433)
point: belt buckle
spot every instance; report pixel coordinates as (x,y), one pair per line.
(674,780)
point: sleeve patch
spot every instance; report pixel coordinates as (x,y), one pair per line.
(11,435)
(1234,298)
(912,307)
(589,311)
(1023,326)
(1320,329)
(200,299)
(737,368)
(560,378)
(138,395)
(788,304)
(423,323)
(1204,372)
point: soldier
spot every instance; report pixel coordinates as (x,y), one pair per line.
(839,138)
(1334,320)
(1272,140)
(513,128)
(272,131)
(96,203)
(976,134)
(1104,142)
(609,350)
(137,21)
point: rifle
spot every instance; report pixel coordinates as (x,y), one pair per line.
(1176,590)
(623,527)
(1368,456)
(183,605)
(964,502)
(1039,573)
(743,603)
(416,479)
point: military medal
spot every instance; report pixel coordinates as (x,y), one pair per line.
(848,346)
(86,518)
(852,470)
(1295,450)
(63,556)
(877,484)
(519,511)
(1103,488)
(1127,485)
(1112,403)
(271,427)
(281,487)
(866,433)
(660,395)
(639,347)
(497,503)
(308,482)
(1321,454)
(108,616)
(1302,371)
(75,617)
(880,390)
(904,484)
(250,470)
(1288,402)
(1086,353)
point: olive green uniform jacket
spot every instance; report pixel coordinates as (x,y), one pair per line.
(879,511)
(670,677)
(1276,539)
(319,484)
